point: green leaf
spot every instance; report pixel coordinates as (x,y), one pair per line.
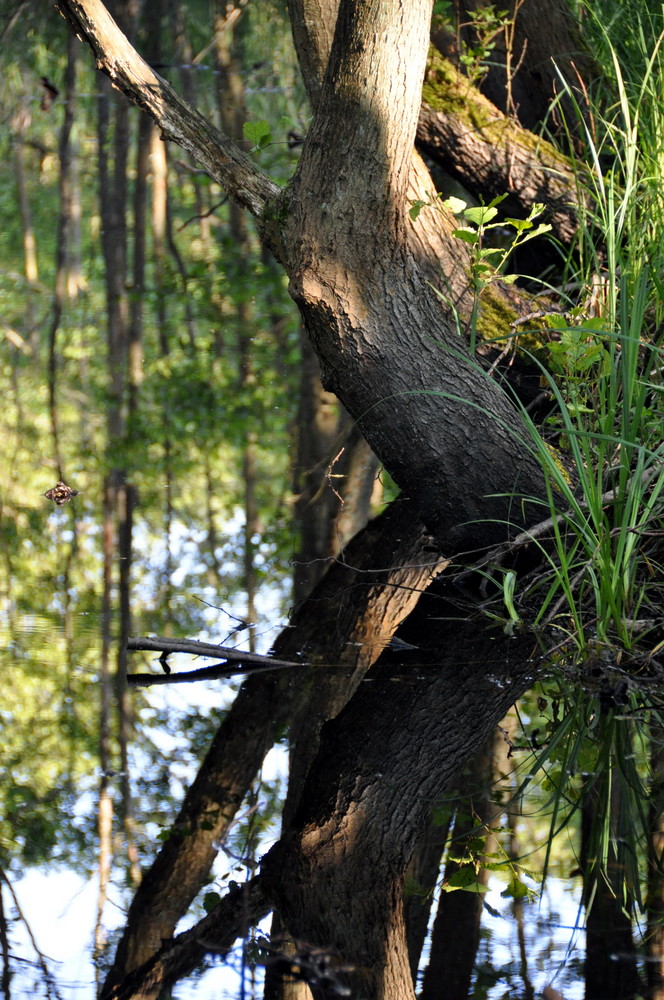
(516,889)
(520,224)
(455,205)
(258,133)
(415,209)
(480,214)
(464,878)
(467,235)
(542,228)
(210,900)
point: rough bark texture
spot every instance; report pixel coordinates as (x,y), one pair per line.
(386,347)
(382,762)
(490,153)
(346,622)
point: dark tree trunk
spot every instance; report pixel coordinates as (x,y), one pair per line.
(456,931)
(610,965)
(395,747)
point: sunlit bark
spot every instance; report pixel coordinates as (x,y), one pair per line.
(347,622)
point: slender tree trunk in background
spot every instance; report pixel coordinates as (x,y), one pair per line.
(159,220)
(456,931)
(233,113)
(316,442)
(65,217)
(512,816)
(184,56)
(610,965)
(333,477)
(19,125)
(421,878)
(655,896)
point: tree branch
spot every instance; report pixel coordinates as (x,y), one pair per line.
(222,158)
(242,907)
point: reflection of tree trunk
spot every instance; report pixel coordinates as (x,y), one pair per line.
(349,605)
(456,930)
(105,804)
(517,903)
(395,747)
(610,966)
(113,197)
(125,494)
(62,249)
(421,878)
(655,898)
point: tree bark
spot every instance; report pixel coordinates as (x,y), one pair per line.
(346,622)
(388,347)
(383,760)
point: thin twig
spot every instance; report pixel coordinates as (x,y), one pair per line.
(51,987)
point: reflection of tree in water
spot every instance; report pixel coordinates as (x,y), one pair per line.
(524,535)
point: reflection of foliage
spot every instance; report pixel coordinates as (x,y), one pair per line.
(192,415)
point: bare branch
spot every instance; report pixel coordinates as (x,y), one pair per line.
(241,908)
(222,158)
(197,648)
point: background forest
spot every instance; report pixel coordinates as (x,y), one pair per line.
(152,359)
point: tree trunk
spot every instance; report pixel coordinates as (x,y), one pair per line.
(383,760)
(339,625)
(610,965)
(456,931)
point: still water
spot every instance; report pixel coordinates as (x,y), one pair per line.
(52,906)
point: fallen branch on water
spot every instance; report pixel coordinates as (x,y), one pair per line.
(237,661)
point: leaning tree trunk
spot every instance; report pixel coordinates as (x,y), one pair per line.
(388,346)
(359,270)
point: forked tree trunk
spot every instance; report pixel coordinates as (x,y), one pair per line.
(360,269)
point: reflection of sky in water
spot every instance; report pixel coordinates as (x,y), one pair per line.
(60,906)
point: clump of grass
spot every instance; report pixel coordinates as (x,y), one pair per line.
(596,598)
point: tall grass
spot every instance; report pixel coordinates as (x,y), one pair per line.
(597,598)
(606,373)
